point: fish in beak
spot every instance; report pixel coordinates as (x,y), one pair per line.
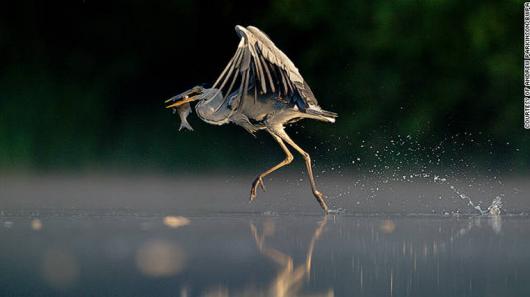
(183,101)
(181,104)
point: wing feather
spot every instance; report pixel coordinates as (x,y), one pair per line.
(258,63)
(259,72)
(290,76)
(271,81)
(235,61)
(245,62)
(232,64)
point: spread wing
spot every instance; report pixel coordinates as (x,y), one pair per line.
(259,67)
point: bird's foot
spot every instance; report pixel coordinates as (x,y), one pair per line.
(257,182)
(321,201)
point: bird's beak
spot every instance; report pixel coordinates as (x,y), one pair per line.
(179,103)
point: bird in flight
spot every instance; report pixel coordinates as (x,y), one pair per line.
(259,89)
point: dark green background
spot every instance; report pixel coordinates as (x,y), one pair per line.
(82,83)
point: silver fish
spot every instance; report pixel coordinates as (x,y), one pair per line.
(184,110)
(181,104)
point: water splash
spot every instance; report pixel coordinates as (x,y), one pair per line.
(403,159)
(495,208)
(460,195)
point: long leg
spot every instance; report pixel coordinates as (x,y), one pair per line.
(280,258)
(320,198)
(259,179)
(314,239)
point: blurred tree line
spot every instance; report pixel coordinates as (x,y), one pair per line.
(82,83)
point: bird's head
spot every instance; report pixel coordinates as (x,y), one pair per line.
(211,108)
(181,104)
(193,94)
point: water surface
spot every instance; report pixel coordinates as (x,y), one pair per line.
(158,237)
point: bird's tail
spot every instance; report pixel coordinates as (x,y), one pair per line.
(323,115)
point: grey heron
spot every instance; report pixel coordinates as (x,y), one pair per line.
(269,93)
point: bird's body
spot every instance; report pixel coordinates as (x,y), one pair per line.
(255,112)
(271,93)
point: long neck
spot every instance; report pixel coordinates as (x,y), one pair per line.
(213,109)
(214,98)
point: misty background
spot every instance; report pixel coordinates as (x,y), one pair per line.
(82,83)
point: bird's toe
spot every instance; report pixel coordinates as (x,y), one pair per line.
(261,184)
(320,198)
(252,194)
(258,182)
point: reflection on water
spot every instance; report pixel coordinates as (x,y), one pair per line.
(495,222)
(257,255)
(388,226)
(36,224)
(289,279)
(160,258)
(60,268)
